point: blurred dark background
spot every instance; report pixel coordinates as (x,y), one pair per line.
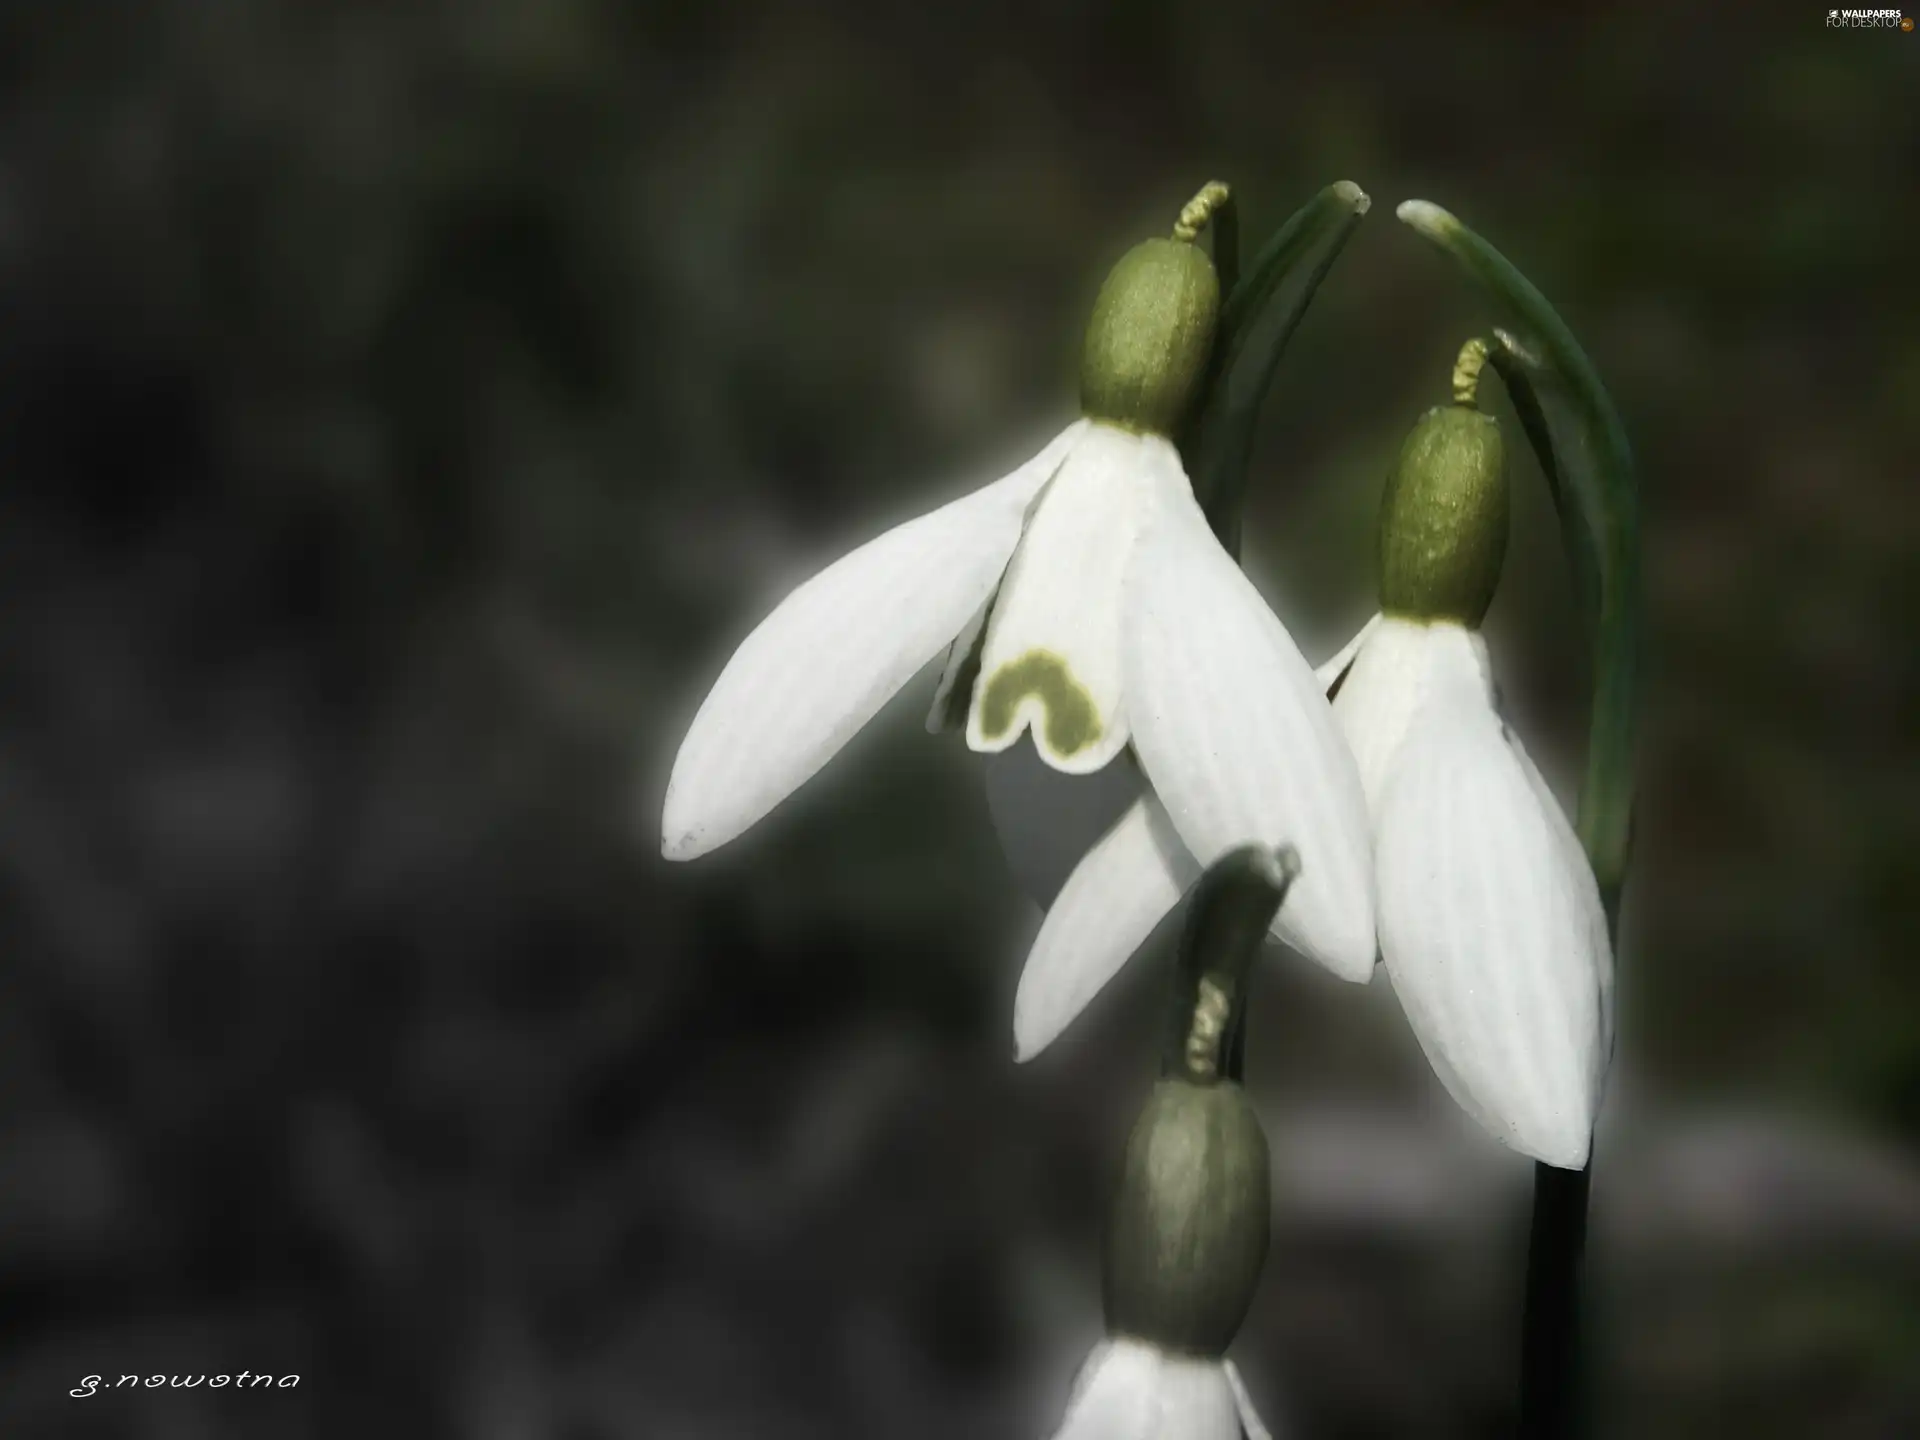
(404,408)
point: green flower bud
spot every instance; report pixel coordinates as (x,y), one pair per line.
(1443,521)
(1150,338)
(1189,1230)
(1188,1234)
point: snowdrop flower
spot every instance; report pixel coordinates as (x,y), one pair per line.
(1490,922)
(1188,1235)
(1087,604)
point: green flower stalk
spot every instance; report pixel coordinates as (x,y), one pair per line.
(1189,1229)
(1578,438)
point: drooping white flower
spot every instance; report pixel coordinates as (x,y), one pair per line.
(1087,604)
(1489,919)
(1132,1390)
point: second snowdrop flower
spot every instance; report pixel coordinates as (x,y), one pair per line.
(1489,919)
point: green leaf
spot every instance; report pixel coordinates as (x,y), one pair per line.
(1258,318)
(1582,448)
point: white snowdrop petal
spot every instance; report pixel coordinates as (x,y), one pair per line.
(1250,1423)
(1123,887)
(1390,679)
(1586,894)
(1115,1397)
(1084,1377)
(1482,929)
(1236,735)
(1051,662)
(835,651)
(1194,1401)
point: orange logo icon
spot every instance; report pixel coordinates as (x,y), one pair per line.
(1906,22)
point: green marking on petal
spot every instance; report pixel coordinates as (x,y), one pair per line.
(1073,720)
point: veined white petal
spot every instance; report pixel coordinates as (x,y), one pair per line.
(1113,1397)
(1333,669)
(1579,870)
(1236,734)
(1052,658)
(1484,927)
(1130,1390)
(1250,1424)
(1109,906)
(835,651)
(1389,682)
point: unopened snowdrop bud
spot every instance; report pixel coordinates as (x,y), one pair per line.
(1443,520)
(1189,1229)
(1151,334)
(1188,1234)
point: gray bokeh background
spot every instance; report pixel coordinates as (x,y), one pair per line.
(403,410)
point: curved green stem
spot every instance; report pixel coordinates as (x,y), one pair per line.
(1228,913)
(1583,452)
(1257,319)
(1576,433)
(1600,524)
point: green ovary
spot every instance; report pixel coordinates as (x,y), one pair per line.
(1073,721)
